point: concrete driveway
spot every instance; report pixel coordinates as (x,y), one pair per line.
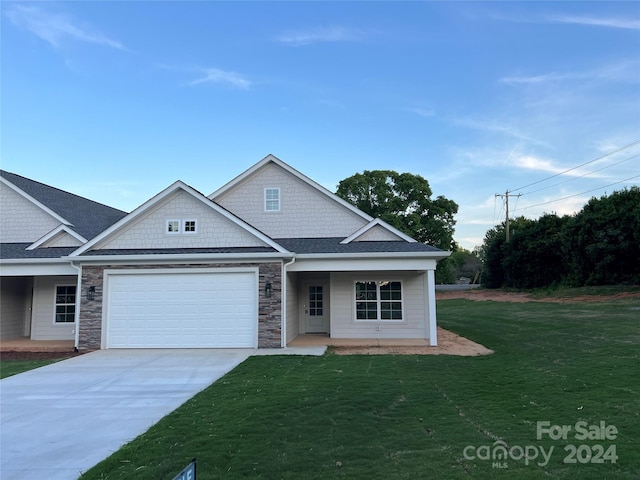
(62,419)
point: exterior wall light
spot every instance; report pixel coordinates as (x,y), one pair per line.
(268,289)
(91,293)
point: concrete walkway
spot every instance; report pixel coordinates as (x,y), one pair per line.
(60,420)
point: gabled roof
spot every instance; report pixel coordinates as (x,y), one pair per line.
(377,222)
(86,217)
(151,203)
(61,230)
(275,160)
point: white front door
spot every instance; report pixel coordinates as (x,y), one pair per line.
(316,307)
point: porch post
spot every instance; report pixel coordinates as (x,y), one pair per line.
(430,295)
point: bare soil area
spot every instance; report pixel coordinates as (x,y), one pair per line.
(449,343)
(13,355)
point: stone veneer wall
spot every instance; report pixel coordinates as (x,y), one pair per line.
(269,309)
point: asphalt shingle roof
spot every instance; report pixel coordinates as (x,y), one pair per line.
(333,245)
(88,218)
(19,251)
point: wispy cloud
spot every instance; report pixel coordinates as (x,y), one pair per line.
(625,23)
(621,71)
(215,75)
(422,112)
(530,162)
(494,126)
(55,28)
(331,34)
(543,78)
(618,22)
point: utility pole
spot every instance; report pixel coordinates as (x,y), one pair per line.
(506,196)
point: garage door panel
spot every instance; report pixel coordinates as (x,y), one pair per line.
(182,310)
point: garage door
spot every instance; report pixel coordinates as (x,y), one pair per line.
(182,310)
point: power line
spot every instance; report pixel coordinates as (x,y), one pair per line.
(581,176)
(581,165)
(577,194)
(517,200)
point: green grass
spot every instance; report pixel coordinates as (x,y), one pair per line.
(13,367)
(412,416)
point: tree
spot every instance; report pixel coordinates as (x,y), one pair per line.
(404,201)
(461,263)
(602,242)
(600,245)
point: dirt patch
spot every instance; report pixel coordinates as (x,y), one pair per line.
(14,355)
(449,343)
(519,297)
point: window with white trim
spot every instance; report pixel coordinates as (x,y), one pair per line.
(189,226)
(173,227)
(378,300)
(65,304)
(272,199)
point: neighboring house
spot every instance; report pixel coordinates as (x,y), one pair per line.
(269,256)
(39,226)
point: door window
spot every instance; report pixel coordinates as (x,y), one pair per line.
(316,302)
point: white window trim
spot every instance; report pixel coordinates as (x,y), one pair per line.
(184,224)
(166,227)
(55,303)
(279,199)
(378,302)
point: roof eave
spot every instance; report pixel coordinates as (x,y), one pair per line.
(30,261)
(437,255)
(178,257)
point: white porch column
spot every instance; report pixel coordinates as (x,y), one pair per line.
(430,296)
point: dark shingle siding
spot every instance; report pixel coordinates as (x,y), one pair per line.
(88,218)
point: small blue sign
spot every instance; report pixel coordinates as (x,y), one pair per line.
(189,472)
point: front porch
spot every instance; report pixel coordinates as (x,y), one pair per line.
(392,308)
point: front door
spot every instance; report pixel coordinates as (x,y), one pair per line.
(316,308)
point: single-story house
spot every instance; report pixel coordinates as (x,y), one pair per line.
(267,257)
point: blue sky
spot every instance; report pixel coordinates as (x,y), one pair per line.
(117,100)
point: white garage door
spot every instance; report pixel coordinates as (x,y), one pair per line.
(182,310)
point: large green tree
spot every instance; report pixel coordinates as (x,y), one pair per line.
(404,201)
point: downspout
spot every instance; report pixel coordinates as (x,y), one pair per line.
(76,317)
(283,340)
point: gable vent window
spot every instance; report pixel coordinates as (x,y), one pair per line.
(173,226)
(189,226)
(272,199)
(186,226)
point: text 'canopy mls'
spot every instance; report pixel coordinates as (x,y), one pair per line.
(404,201)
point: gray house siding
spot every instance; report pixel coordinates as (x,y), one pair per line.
(43,325)
(343,316)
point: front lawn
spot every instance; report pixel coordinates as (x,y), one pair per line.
(12,363)
(419,416)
